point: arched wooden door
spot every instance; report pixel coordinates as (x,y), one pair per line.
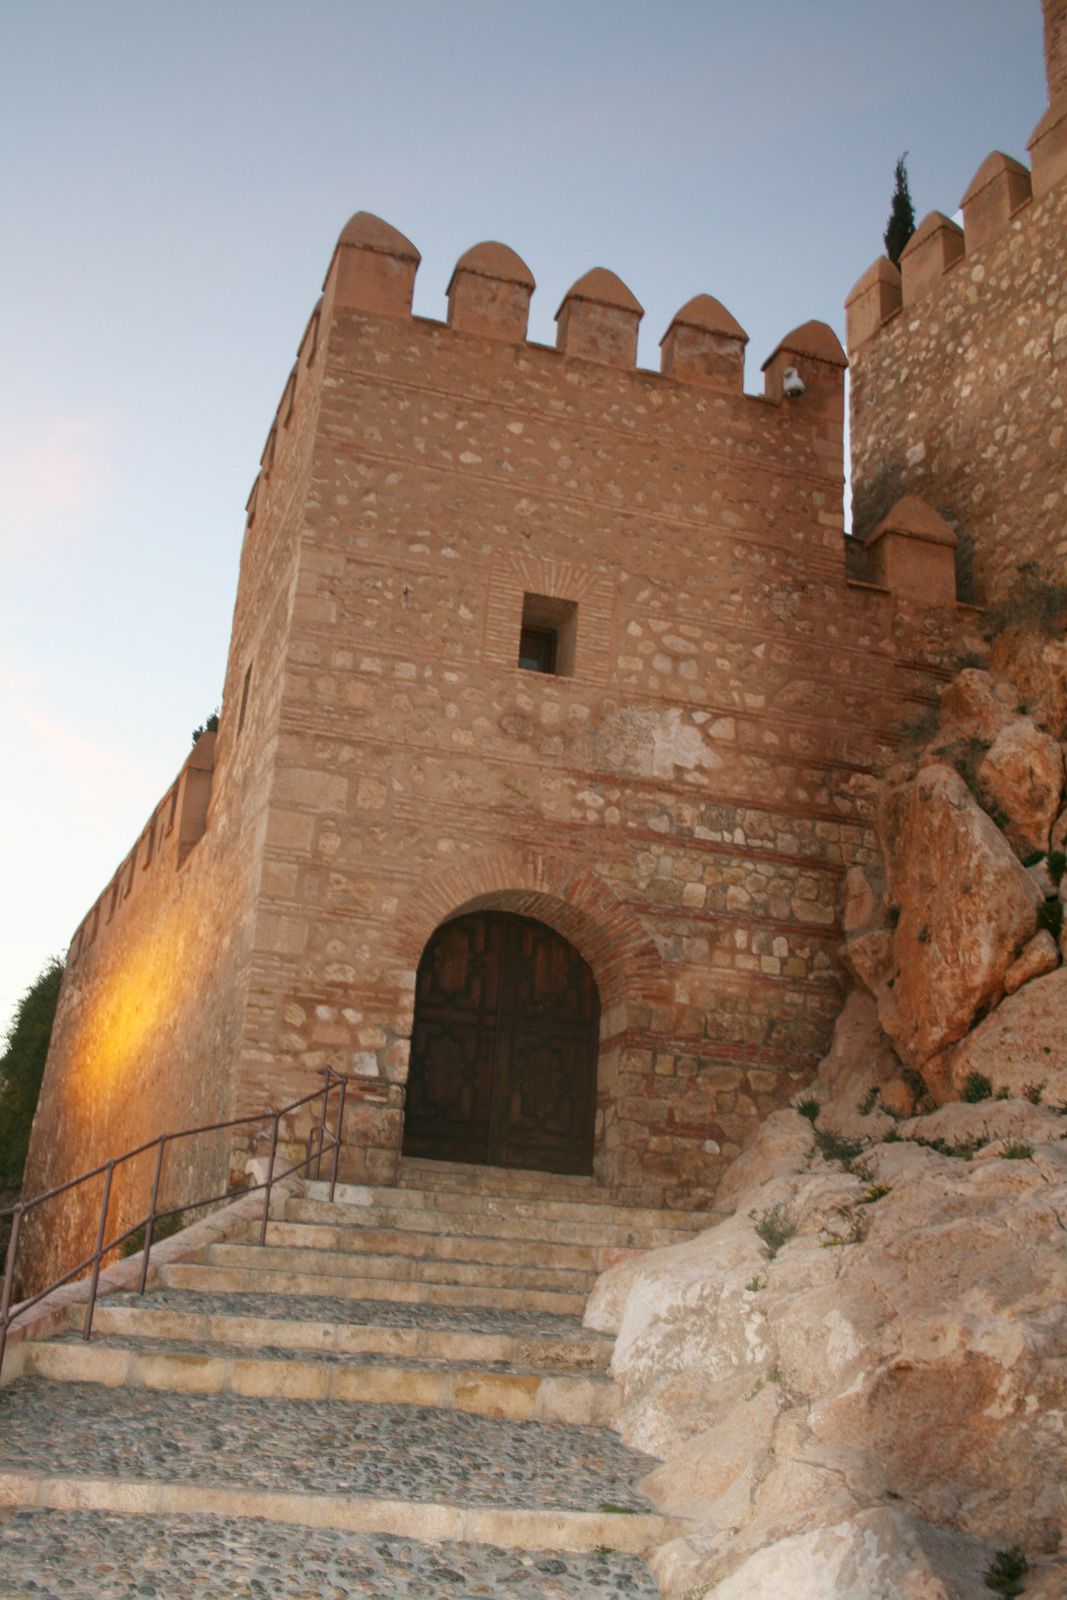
(504,1047)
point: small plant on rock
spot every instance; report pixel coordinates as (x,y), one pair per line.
(877,1191)
(776,1227)
(869,1101)
(1006,1572)
(977,1087)
(1017,1150)
(832,1147)
(1057,866)
(1050,917)
(1033,1092)
(810,1108)
(754,1285)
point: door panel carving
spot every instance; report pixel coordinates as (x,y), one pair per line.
(504,1048)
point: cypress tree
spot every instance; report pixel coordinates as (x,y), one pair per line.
(901,224)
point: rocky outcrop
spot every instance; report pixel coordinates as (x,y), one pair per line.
(1022,1045)
(857,1379)
(963,906)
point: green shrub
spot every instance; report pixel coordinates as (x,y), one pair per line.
(977,1087)
(1057,865)
(1017,1150)
(776,1227)
(1050,916)
(1031,604)
(1006,1572)
(809,1108)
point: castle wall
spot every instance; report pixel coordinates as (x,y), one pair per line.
(681,802)
(682,807)
(152,1012)
(959,369)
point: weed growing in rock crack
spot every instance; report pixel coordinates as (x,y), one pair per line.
(776,1227)
(1006,1572)
(1033,858)
(868,1103)
(1003,1093)
(605,1549)
(1057,865)
(809,1108)
(977,1087)
(775,1375)
(1033,1092)
(1050,917)
(618,1511)
(962,1150)
(1017,1150)
(832,1147)
(754,1285)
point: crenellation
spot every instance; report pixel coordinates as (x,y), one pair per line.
(933,249)
(997,192)
(957,390)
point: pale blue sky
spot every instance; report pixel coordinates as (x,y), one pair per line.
(172,180)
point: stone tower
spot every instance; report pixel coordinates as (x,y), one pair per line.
(551,653)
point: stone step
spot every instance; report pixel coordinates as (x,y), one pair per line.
(207,1368)
(483,1249)
(573,1350)
(209,1558)
(239,1280)
(362,1196)
(498,1222)
(396,1268)
(427,1473)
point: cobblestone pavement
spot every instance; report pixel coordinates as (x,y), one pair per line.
(85,1555)
(407,1452)
(246,1352)
(381,1313)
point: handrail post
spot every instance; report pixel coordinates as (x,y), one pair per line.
(150,1224)
(105,1200)
(270,1175)
(9,1280)
(322,1120)
(337,1141)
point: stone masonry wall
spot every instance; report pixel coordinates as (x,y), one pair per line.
(682,807)
(959,374)
(153,1007)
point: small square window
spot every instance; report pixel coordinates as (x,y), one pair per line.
(549,635)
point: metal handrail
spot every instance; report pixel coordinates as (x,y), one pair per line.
(328,1140)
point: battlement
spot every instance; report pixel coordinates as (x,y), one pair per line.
(957,362)
(1002,194)
(164,843)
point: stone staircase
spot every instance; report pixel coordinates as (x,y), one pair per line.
(393,1397)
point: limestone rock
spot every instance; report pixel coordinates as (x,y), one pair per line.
(783,1145)
(879,1554)
(964,903)
(1021,775)
(1041,955)
(1024,1041)
(859,1077)
(977,703)
(1039,667)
